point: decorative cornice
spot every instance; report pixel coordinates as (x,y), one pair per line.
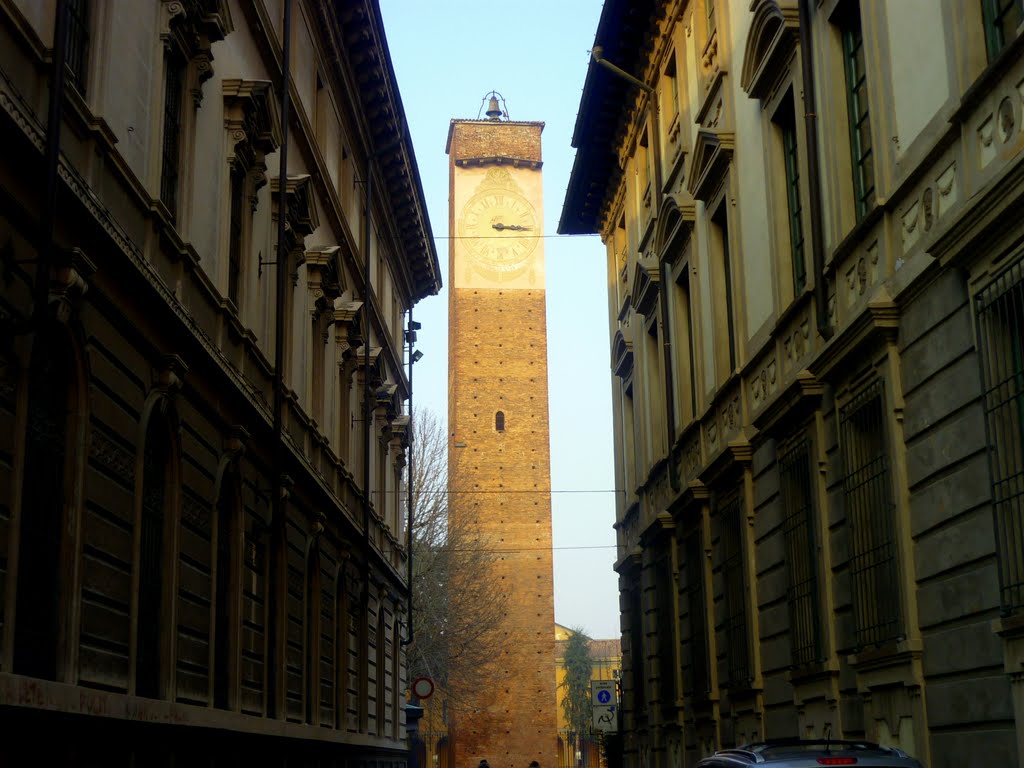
(646,276)
(622,352)
(515,162)
(801,396)
(712,154)
(879,320)
(735,455)
(661,525)
(770,42)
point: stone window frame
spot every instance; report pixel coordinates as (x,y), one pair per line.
(998,305)
(799,444)
(187,30)
(729,504)
(710,179)
(160,409)
(252,131)
(78,42)
(302,221)
(997,38)
(860,393)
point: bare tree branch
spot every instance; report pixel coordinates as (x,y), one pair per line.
(456,642)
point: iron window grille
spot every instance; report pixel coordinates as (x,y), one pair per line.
(860,122)
(171,151)
(1001,17)
(693,551)
(77,42)
(870,516)
(797,493)
(1000,309)
(731,516)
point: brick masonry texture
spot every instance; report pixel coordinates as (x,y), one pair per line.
(484,138)
(497,362)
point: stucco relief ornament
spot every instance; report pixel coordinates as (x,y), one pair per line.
(1006,119)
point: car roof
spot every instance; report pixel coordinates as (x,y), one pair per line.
(809,752)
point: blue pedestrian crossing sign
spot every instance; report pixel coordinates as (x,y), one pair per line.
(604,702)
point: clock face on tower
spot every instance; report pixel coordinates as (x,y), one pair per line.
(498,228)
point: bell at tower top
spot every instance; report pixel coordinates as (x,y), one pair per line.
(494,112)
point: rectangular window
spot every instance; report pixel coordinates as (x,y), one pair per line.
(870,513)
(235,234)
(731,519)
(720,237)
(797,493)
(643,173)
(77,42)
(171,151)
(785,119)
(672,88)
(857,105)
(699,679)
(1002,18)
(685,373)
(1000,308)
(317,351)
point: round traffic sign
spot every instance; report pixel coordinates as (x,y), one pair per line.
(604,696)
(423,687)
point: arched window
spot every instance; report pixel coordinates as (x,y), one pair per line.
(46,492)
(156,496)
(229,504)
(499,421)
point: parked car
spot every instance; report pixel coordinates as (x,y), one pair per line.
(803,753)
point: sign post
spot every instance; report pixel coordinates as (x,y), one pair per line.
(605,706)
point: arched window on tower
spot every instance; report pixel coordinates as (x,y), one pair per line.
(499,421)
(46,492)
(156,497)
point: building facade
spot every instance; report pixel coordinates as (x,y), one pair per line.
(816,296)
(606,659)
(203,303)
(499,474)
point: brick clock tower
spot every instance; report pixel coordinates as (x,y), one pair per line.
(499,456)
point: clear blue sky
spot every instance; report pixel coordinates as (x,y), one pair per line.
(447,55)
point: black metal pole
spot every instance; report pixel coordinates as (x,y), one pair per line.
(274,633)
(367,389)
(412,479)
(54,115)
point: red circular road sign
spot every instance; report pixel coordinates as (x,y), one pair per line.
(423,687)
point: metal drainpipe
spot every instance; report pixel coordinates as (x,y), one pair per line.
(813,171)
(45,245)
(367,391)
(666,340)
(279,331)
(412,437)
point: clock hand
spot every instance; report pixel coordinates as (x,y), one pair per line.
(511,227)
